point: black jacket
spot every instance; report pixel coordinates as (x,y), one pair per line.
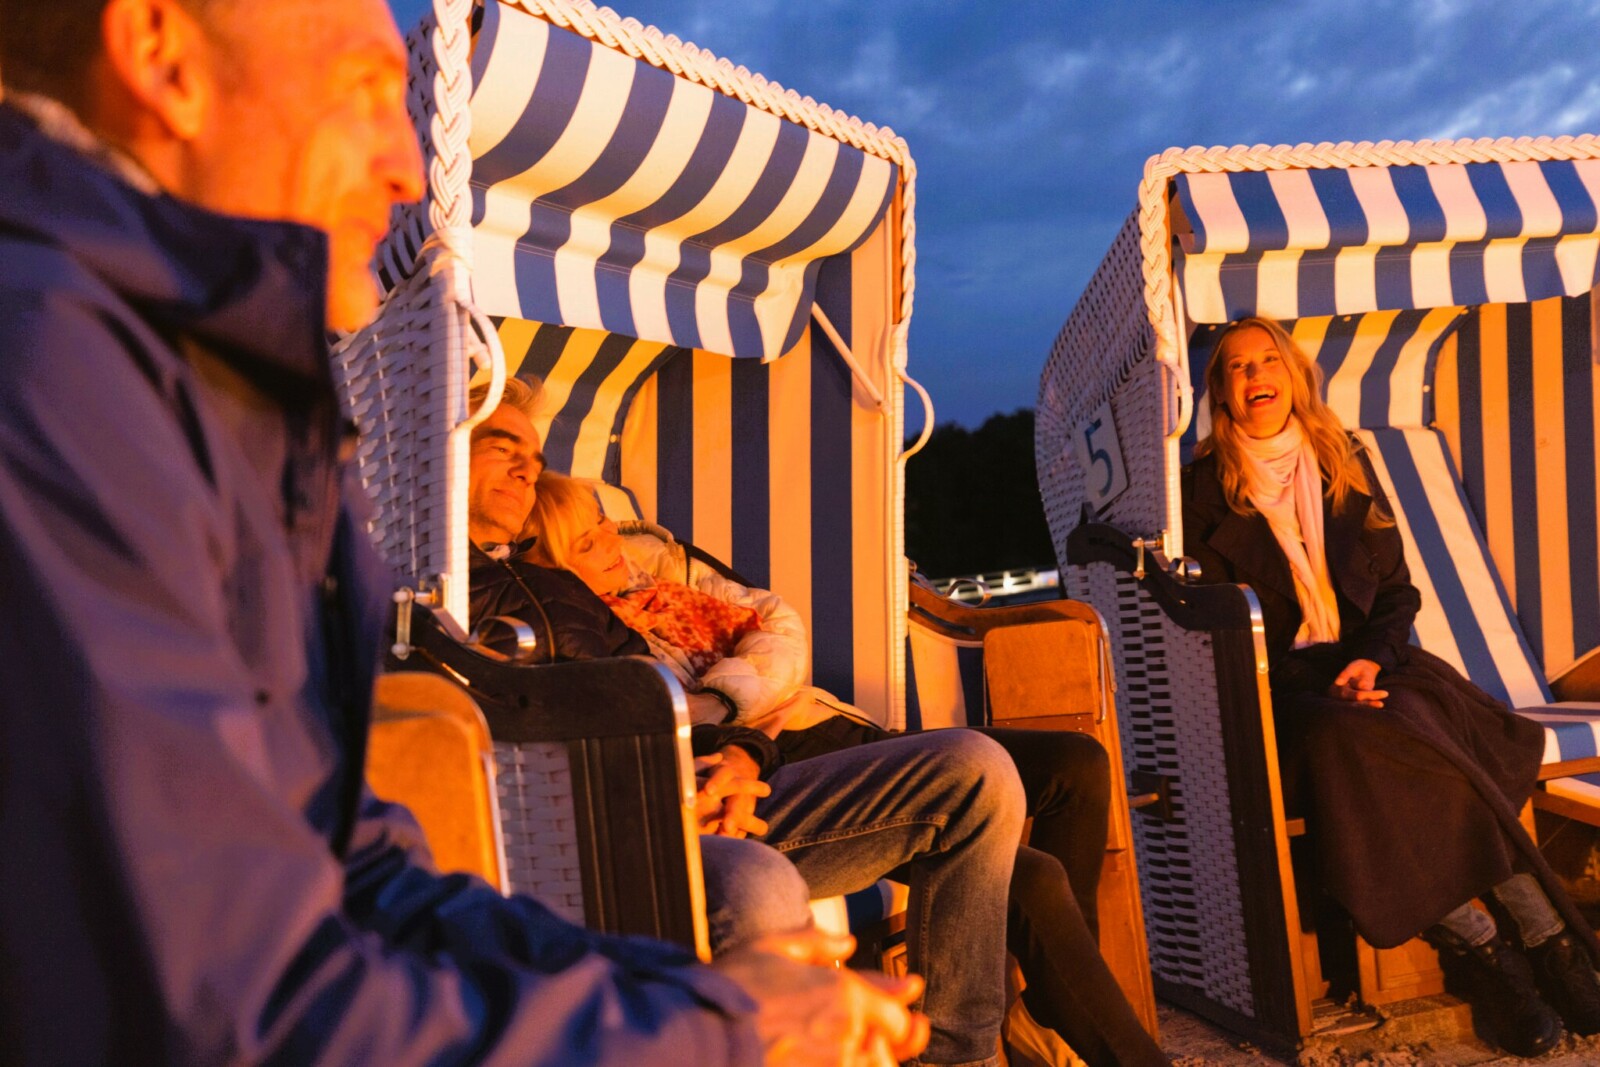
(1377,601)
(584,628)
(193,872)
(569,622)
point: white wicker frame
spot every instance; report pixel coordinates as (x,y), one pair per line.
(430,552)
(1095,353)
(405,378)
(1125,343)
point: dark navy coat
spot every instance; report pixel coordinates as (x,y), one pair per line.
(190,868)
(1367,565)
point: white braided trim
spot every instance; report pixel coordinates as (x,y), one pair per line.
(450,124)
(687,60)
(1156,238)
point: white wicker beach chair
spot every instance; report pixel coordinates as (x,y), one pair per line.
(1447,290)
(648,229)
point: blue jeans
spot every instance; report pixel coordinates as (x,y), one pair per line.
(943,812)
(751,891)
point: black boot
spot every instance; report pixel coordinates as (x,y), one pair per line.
(1497,981)
(1566,977)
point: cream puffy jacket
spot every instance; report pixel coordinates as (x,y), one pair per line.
(766,676)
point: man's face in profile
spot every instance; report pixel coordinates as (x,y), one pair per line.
(309,125)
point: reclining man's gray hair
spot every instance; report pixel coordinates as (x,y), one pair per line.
(524,394)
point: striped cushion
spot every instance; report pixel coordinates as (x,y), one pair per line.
(1516,398)
(1571,729)
(944,680)
(1466,617)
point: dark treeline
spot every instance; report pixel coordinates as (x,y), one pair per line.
(972,500)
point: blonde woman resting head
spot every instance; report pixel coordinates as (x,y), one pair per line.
(742,653)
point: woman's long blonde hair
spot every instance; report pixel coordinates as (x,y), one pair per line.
(563,510)
(1336,452)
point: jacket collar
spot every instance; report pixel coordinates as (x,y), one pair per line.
(253,292)
(1247,543)
(514,550)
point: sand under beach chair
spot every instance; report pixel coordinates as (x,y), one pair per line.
(1446,289)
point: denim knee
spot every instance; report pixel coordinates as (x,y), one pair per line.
(751,891)
(984,762)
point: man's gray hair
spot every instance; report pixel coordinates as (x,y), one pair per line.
(524,394)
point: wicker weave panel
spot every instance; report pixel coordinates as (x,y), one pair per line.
(1104,353)
(534,783)
(1188,873)
(408,223)
(403,382)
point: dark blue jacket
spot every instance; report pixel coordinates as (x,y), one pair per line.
(190,868)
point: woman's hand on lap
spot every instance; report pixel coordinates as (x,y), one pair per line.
(1357,683)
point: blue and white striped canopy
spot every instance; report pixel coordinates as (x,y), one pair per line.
(1294,244)
(610,194)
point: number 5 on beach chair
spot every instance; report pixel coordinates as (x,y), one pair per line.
(1446,289)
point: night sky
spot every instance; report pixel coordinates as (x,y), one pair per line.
(1030,121)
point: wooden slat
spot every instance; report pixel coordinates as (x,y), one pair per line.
(1566,807)
(429,750)
(1039,669)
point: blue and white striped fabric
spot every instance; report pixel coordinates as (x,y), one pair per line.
(779,468)
(1296,244)
(1516,395)
(590,379)
(1466,616)
(609,194)
(1377,368)
(1571,730)
(944,680)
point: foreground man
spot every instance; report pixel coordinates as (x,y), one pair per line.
(193,871)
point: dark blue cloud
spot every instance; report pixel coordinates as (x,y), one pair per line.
(1031,121)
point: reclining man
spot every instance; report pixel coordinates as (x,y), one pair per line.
(942,811)
(194,872)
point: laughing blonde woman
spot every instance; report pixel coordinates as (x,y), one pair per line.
(1410,776)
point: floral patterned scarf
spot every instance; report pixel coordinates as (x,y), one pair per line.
(702,628)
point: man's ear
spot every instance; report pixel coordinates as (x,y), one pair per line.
(157,52)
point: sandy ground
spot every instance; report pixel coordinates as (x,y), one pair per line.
(1192,1042)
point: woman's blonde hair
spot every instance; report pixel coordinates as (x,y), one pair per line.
(1337,454)
(564,508)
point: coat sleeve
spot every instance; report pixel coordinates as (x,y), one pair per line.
(1387,628)
(770,665)
(167,898)
(707,738)
(1197,520)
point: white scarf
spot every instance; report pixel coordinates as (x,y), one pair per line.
(1284,482)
